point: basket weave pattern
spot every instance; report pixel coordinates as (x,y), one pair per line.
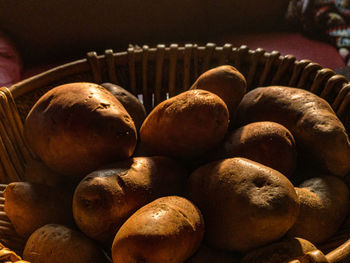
(158,73)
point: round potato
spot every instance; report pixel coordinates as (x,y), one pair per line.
(268,143)
(226,82)
(283,251)
(186,125)
(245,204)
(57,243)
(320,136)
(169,229)
(105,199)
(77,127)
(324,204)
(132,105)
(30,206)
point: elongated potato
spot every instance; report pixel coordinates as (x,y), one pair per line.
(77,127)
(186,125)
(226,82)
(324,204)
(268,143)
(57,244)
(105,199)
(30,206)
(320,136)
(244,204)
(170,229)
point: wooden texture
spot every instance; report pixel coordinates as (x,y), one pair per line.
(155,74)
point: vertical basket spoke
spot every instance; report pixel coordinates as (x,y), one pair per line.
(95,66)
(172,69)
(110,61)
(187,67)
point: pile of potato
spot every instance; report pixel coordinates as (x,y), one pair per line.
(214,174)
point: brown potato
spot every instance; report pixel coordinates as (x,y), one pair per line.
(207,254)
(324,204)
(168,229)
(245,204)
(282,251)
(105,199)
(186,125)
(30,206)
(77,127)
(320,136)
(38,172)
(268,143)
(226,82)
(57,244)
(132,105)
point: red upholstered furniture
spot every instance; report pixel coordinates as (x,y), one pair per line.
(50,33)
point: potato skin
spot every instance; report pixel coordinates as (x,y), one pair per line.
(268,143)
(207,254)
(324,204)
(226,82)
(186,125)
(105,199)
(77,127)
(320,136)
(132,105)
(168,229)
(37,205)
(57,243)
(244,204)
(37,172)
(282,251)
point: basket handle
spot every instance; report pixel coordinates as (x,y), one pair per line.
(340,254)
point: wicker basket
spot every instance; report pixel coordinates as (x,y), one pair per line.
(154,74)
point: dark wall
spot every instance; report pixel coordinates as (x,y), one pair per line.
(54,28)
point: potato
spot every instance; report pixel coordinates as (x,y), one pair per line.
(30,206)
(324,204)
(168,229)
(207,254)
(77,127)
(244,204)
(57,243)
(320,136)
(282,251)
(107,197)
(186,125)
(132,105)
(37,172)
(226,82)
(268,143)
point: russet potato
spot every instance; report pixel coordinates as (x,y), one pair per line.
(226,82)
(77,127)
(105,199)
(186,125)
(169,229)
(31,205)
(320,136)
(244,204)
(58,243)
(132,105)
(324,204)
(268,143)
